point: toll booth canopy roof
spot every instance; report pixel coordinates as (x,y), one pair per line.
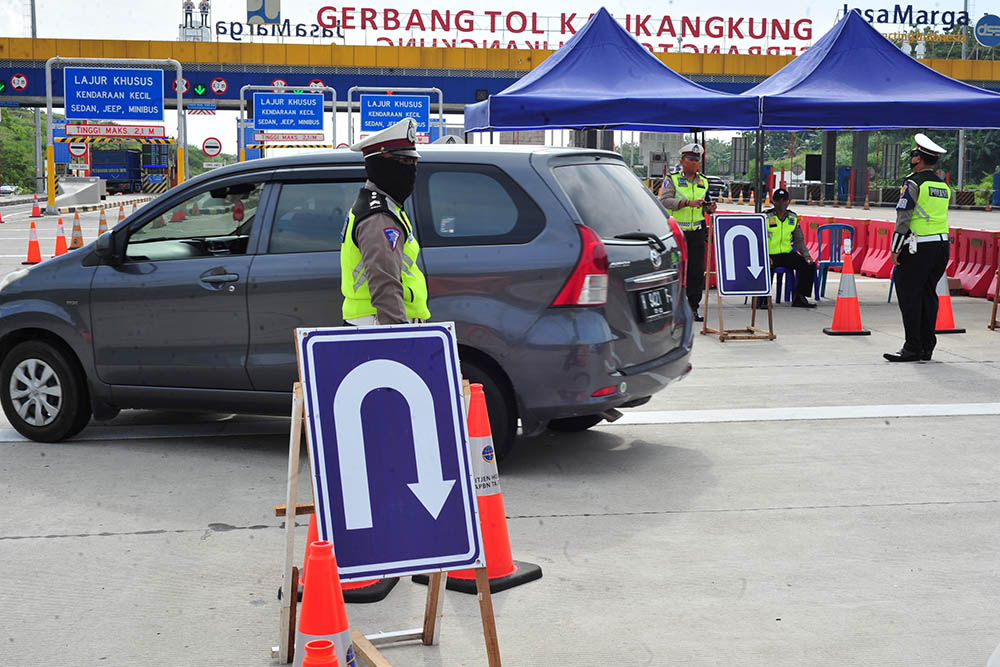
(853,77)
(603,78)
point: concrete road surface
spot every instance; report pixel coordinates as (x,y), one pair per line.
(774,509)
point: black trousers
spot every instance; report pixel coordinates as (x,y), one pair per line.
(696,240)
(805,272)
(916,279)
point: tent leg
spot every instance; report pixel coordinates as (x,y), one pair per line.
(758,204)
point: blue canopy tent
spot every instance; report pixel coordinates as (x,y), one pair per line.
(603,78)
(854,78)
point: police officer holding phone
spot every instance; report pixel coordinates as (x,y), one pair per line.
(920,250)
(686,195)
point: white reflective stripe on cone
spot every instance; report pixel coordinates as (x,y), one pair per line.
(484,466)
(342,646)
(942,286)
(847,288)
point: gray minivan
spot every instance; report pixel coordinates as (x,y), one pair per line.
(561,271)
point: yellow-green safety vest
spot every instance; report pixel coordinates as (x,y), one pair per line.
(354,277)
(689,217)
(779,233)
(930,215)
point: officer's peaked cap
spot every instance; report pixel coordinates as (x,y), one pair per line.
(923,144)
(692,150)
(398,139)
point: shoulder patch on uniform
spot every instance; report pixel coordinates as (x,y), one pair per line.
(392,235)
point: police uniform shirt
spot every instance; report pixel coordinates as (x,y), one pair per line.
(907,204)
(668,192)
(380,238)
(798,238)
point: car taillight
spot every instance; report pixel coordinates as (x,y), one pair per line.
(588,284)
(682,244)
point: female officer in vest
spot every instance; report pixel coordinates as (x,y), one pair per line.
(920,250)
(686,194)
(379,275)
(786,247)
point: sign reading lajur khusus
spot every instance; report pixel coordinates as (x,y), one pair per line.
(105,93)
(287,111)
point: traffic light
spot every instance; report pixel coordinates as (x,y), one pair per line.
(200,90)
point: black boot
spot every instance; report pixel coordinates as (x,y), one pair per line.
(902,355)
(801,302)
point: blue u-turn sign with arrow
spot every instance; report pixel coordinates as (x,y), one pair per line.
(392,476)
(741,259)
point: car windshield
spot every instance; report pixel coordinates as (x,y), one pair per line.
(611,200)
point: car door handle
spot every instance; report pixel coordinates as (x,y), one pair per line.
(219,278)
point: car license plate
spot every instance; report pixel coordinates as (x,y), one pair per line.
(655,303)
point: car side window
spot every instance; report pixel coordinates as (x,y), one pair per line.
(216,221)
(310,216)
(474,205)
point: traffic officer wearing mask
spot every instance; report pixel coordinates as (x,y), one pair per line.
(786,246)
(686,195)
(379,275)
(920,250)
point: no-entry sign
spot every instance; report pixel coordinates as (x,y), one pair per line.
(211,147)
(78,150)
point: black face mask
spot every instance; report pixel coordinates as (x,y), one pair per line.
(394,177)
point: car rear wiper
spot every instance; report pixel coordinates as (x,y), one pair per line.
(649,237)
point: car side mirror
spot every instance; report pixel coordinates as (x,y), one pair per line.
(104,248)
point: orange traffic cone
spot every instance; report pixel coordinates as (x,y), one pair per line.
(76,241)
(179,215)
(36,212)
(750,203)
(767,200)
(322,614)
(159,222)
(34,250)
(60,240)
(504,572)
(1,217)
(847,312)
(312,535)
(135,207)
(102,225)
(121,213)
(945,323)
(740,201)
(320,653)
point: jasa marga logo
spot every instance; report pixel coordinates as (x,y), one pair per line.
(908,15)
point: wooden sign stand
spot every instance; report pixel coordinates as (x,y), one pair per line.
(996,297)
(366,646)
(751,332)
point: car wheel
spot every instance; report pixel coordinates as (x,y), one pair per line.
(43,393)
(575,424)
(499,404)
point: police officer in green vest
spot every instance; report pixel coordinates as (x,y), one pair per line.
(379,274)
(686,195)
(786,246)
(920,250)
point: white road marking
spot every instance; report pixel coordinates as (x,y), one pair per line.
(806,413)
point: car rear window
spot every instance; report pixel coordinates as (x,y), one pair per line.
(310,216)
(610,200)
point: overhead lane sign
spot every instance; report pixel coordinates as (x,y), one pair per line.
(104,93)
(287,111)
(741,255)
(381,111)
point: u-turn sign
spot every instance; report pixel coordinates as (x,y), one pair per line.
(741,259)
(392,476)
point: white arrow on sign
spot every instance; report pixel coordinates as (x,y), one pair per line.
(431,489)
(730,240)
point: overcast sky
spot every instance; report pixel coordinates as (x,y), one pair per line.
(159,20)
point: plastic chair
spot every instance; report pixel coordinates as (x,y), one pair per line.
(835,245)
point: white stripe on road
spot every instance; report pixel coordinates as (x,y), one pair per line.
(279,425)
(807,413)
